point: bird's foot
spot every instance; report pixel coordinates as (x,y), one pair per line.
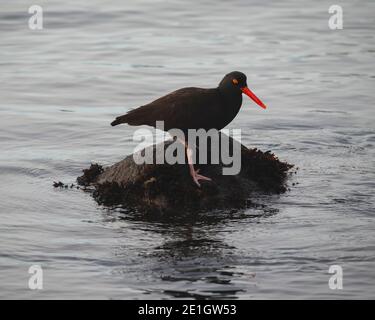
(196,177)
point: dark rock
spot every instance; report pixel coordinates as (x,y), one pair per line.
(89,175)
(58,184)
(167,187)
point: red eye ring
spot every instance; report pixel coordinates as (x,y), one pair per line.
(235,81)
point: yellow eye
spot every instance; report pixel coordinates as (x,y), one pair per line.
(235,81)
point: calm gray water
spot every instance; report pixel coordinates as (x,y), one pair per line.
(60,88)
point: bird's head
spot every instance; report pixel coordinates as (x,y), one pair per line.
(236,82)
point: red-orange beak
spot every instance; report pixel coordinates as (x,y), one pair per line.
(248,92)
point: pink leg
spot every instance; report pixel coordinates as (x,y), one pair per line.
(194,173)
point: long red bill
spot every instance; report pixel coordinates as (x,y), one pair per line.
(248,92)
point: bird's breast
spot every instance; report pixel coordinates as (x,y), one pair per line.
(228,111)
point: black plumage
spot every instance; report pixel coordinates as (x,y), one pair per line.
(192,108)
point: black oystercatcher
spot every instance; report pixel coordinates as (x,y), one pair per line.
(194,108)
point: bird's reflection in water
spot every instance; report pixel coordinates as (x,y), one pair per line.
(193,260)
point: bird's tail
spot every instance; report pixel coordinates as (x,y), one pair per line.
(118,120)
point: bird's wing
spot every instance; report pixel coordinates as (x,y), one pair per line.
(183,109)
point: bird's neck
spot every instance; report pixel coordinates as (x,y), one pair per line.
(232,97)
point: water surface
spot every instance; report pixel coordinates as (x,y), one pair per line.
(61,87)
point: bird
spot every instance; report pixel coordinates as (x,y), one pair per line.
(194,108)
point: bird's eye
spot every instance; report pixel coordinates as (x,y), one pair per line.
(235,81)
